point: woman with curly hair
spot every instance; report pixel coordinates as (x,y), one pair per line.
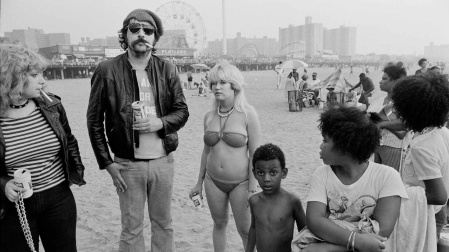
(353,204)
(35,135)
(422,103)
(389,151)
(231,135)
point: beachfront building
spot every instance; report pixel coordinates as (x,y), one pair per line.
(310,34)
(242,47)
(437,52)
(36,38)
(341,41)
(58,39)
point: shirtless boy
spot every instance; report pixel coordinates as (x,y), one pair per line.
(274,211)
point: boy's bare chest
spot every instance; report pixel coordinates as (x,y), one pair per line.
(273,215)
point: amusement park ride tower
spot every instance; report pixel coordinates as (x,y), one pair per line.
(185,33)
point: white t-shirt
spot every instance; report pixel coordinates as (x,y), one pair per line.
(278,69)
(352,202)
(425,157)
(150,144)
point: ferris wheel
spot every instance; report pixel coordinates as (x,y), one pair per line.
(177,15)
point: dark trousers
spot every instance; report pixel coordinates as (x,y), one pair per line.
(51,215)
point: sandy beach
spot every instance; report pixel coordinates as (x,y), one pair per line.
(98,226)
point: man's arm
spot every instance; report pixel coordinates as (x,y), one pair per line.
(95,119)
(356,86)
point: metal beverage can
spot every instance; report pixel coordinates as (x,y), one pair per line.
(138,109)
(22,178)
(197,201)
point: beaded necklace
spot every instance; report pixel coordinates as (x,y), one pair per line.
(225,114)
(19,106)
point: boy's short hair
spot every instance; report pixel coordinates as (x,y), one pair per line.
(422,100)
(421,61)
(351,132)
(267,152)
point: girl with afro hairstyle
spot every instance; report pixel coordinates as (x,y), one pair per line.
(422,103)
(353,204)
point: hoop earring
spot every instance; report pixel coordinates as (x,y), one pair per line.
(20,94)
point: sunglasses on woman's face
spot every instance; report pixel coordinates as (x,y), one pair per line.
(135,28)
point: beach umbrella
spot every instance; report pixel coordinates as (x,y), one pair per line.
(294,64)
(199,66)
(333,81)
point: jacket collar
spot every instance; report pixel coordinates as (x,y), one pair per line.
(128,64)
(43,102)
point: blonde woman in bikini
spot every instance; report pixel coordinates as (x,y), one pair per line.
(231,135)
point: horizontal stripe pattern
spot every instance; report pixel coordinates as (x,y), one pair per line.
(32,144)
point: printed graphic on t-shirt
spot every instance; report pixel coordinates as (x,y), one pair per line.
(150,144)
(340,207)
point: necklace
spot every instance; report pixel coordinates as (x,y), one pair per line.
(226,113)
(19,106)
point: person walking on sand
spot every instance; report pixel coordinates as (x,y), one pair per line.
(143,166)
(231,129)
(278,69)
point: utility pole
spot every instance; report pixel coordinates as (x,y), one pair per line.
(225,51)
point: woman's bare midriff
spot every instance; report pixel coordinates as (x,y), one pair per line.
(227,163)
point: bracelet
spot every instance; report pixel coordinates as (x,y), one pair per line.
(353,242)
(252,191)
(349,240)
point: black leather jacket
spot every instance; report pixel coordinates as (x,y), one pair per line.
(114,89)
(55,115)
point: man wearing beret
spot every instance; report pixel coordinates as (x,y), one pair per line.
(143,167)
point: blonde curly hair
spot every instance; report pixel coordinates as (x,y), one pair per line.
(15,62)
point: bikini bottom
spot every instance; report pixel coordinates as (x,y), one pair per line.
(225,186)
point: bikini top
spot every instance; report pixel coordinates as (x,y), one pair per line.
(236,140)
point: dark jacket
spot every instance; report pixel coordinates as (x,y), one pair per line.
(55,115)
(114,89)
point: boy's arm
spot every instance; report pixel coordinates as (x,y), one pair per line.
(298,214)
(252,229)
(387,213)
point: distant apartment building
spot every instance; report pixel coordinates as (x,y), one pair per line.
(98,42)
(36,38)
(58,39)
(33,38)
(309,36)
(436,52)
(112,41)
(341,41)
(244,47)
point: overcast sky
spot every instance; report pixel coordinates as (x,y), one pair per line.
(383,26)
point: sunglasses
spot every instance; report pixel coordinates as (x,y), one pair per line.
(135,28)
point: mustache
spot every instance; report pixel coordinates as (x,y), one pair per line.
(140,40)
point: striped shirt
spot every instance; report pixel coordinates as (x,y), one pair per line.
(32,144)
